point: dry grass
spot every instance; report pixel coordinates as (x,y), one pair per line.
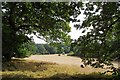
(66,60)
(49,66)
(32,69)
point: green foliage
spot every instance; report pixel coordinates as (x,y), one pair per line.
(41,49)
(102,41)
(71,54)
(50,20)
(66,48)
(49,49)
(23,53)
(25,50)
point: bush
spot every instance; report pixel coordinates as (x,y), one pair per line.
(71,54)
(23,53)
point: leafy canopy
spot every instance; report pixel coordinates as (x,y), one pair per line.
(50,20)
(103,39)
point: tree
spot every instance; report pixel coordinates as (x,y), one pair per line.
(104,38)
(25,50)
(66,48)
(50,49)
(41,49)
(50,20)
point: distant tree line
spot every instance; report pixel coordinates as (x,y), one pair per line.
(30,48)
(49,49)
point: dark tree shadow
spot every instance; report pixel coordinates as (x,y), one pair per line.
(22,65)
(74,77)
(67,77)
(93,76)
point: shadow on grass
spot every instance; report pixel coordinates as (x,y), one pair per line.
(23,65)
(68,77)
(93,76)
(31,66)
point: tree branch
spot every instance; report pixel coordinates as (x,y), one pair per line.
(109,28)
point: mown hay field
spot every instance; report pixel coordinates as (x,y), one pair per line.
(29,68)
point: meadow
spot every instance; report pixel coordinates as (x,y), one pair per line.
(28,68)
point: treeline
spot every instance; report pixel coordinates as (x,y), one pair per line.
(30,48)
(48,49)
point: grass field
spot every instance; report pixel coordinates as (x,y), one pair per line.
(22,69)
